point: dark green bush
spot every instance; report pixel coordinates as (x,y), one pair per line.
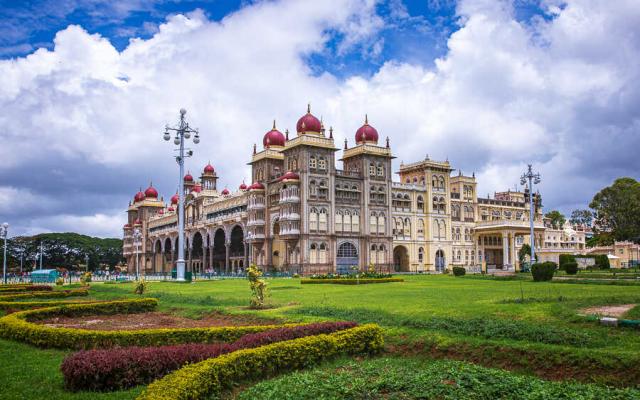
(602,261)
(571,268)
(353,281)
(459,271)
(543,271)
(565,259)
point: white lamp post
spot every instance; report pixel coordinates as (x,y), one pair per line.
(533,179)
(4,231)
(137,241)
(183,131)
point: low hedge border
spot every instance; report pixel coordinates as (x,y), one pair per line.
(122,368)
(18,327)
(198,381)
(25,288)
(42,295)
(344,281)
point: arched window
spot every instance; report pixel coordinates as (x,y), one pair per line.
(313,253)
(455,212)
(420,255)
(467,235)
(420,204)
(373,223)
(434,181)
(373,254)
(322,220)
(338,221)
(459,255)
(420,228)
(441,182)
(407,228)
(380,169)
(443,228)
(347,221)
(381,224)
(355,222)
(347,249)
(313,163)
(313,187)
(372,169)
(322,253)
(313,219)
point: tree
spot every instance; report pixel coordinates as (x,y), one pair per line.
(525,251)
(581,217)
(617,209)
(557,219)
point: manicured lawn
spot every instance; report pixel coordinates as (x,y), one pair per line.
(487,318)
(415,378)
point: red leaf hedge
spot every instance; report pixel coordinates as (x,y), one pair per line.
(125,367)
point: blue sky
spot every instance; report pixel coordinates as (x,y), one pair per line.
(492,85)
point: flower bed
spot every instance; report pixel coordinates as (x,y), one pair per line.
(114,369)
(351,281)
(198,381)
(18,326)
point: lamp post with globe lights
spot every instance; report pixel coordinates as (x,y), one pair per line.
(182,131)
(137,241)
(533,179)
(4,231)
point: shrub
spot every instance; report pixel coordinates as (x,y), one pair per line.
(198,381)
(115,369)
(459,271)
(18,327)
(571,268)
(140,286)
(602,261)
(353,281)
(258,287)
(60,281)
(295,276)
(25,288)
(85,278)
(543,271)
(564,259)
(45,294)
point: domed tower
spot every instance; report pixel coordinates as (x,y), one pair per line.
(209,178)
(189,183)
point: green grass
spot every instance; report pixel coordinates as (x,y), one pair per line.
(413,378)
(487,318)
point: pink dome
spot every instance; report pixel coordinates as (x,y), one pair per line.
(243,186)
(127,226)
(188,177)
(175,199)
(366,133)
(139,196)
(170,209)
(225,192)
(197,188)
(160,211)
(151,192)
(290,176)
(256,186)
(273,138)
(137,222)
(208,169)
(308,123)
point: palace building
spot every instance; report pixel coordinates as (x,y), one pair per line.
(302,214)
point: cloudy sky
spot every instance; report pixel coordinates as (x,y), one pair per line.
(86,88)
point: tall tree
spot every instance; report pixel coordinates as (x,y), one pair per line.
(617,209)
(581,217)
(556,218)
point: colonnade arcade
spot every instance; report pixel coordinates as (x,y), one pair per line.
(497,248)
(221,250)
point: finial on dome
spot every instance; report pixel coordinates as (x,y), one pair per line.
(345,143)
(331,132)
(459,172)
(366,119)
(286,132)
(274,125)
(388,142)
(309,108)
(473,174)
(426,157)
(254,149)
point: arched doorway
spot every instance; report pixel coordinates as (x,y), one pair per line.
(440,261)
(400,259)
(277,247)
(237,248)
(157,256)
(219,251)
(346,257)
(168,256)
(196,253)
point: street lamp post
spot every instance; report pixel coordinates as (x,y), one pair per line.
(532,179)
(137,239)
(183,131)
(4,231)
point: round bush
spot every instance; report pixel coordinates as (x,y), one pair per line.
(571,268)
(543,271)
(459,271)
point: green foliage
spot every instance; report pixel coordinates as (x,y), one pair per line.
(18,327)
(419,378)
(617,209)
(258,287)
(140,286)
(564,259)
(571,268)
(556,219)
(602,261)
(43,295)
(350,281)
(525,251)
(543,271)
(60,281)
(581,217)
(210,377)
(459,271)
(85,278)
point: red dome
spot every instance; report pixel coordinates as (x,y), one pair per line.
(170,209)
(256,186)
(273,138)
(139,196)
(137,222)
(290,176)
(197,188)
(225,192)
(127,226)
(188,177)
(151,192)
(208,169)
(308,123)
(175,199)
(366,133)
(160,211)
(243,186)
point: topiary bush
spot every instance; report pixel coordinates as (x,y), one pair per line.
(602,261)
(571,268)
(565,259)
(543,271)
(115,369)
(459,271)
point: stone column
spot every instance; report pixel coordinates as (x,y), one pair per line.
(505,249)
(512,251)
(227,247)
(246,255)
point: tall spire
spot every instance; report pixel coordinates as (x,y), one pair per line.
(274,125)
(309,108)
(366,119)
(331,132)
(345,143)
(286,132)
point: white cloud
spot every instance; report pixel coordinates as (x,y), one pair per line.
(559,93)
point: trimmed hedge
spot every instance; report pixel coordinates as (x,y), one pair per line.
(345,281)
(28,305)
(564,259)
(25,288)
(459,271)
(39,295)
(543,271)
(571,268)
(197,381)
(18,327)
(115,369)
